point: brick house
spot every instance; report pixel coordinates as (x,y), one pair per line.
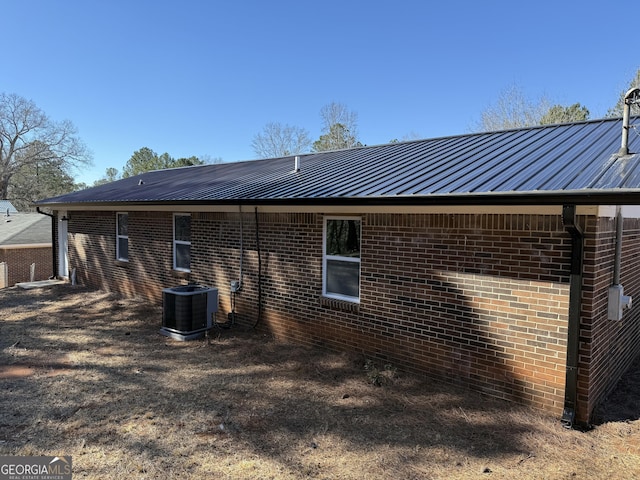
(25,241)
(495,260)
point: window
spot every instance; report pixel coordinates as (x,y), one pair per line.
(182,242)
(122,236)
(341,258)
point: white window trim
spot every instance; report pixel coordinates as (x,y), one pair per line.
(339,258)
(179,242)
(118,237)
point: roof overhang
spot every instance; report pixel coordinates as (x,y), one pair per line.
(575,197)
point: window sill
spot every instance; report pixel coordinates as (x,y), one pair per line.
(180,274)
(341,305)
(122,263)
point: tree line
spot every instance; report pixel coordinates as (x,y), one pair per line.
(38,155)
(145,160)
(512,109)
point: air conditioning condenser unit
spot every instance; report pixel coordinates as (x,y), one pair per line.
(188,310)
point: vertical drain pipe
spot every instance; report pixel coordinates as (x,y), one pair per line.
(241,279)
(575,303)
(259,271)
(54,246)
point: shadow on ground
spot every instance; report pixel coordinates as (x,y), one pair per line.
(623,404)
(93,378)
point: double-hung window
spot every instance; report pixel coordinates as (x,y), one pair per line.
(341,258)
(122,236)
(182,242)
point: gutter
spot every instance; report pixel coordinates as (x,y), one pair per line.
(613,196)
(53,241)
(575,303)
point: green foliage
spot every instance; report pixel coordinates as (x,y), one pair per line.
(338,137)
(339,127)
(142,160)
(110,175)
(186,162)
(560,114)
(145,160)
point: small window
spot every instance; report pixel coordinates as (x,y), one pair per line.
(341,258)
(182,242)
(122,236)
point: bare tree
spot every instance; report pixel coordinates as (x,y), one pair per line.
(616,110)
(277,140)
(338,113)
(339,128)
(29,140)
(513,110)
(33,181)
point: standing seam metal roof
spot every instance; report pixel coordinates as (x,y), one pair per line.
(579,158)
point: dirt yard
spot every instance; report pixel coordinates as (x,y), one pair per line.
(86,374)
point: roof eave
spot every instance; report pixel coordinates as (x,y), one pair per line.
(578,197)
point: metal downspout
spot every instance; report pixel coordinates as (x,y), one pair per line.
(53,241)
(575,303)
(259,271)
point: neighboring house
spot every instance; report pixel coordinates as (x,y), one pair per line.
(485,259)
(25,246)
(7,208)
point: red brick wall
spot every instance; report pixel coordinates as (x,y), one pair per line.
(481,299)
(608,347)
(92,252)
(19,260)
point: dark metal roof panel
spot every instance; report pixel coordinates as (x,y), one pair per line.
(545,160)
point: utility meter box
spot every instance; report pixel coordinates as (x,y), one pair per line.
(618,302)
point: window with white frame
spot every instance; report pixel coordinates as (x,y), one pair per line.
(122,236)
(182,242)
(341,258)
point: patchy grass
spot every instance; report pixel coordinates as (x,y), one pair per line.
(85,373)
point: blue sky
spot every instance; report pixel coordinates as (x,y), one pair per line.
(204,77)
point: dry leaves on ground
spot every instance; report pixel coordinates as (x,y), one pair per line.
(85,373)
